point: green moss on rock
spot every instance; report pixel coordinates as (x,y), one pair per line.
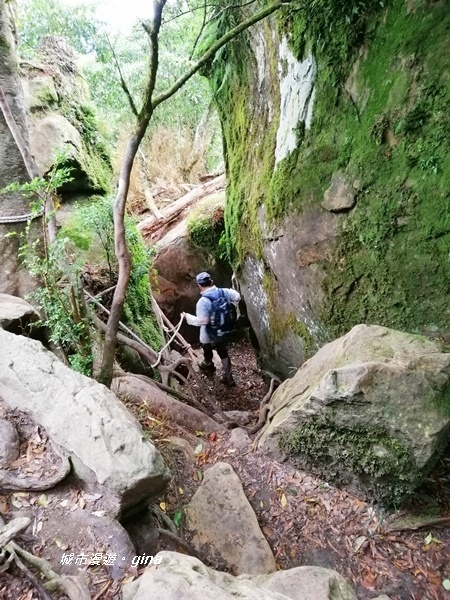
(381,117)
(379,460)
(206,224)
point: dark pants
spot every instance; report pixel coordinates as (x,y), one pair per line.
(220,348)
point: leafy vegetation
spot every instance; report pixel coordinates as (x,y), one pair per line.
(60,297)
(206,225)
(92,233)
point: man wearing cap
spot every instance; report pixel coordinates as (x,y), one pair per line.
(203,312)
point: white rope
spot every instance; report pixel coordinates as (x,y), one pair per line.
(175,333)
(21,218)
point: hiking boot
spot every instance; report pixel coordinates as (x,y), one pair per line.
(208,367)
(227,380)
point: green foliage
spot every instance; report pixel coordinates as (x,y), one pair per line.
(93,39)
(60,297)
(77,23)
(380,462)
(333,30)
(92,233)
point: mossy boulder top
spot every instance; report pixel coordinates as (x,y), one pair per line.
(370,410)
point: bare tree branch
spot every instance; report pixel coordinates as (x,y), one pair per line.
(123,83)
(209,54)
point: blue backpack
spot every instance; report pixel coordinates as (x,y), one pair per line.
(221,319)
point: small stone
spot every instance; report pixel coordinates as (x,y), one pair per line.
(9,443)
(239,439)
(340,195)
(241,417)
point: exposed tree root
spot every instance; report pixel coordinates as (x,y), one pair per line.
(264,409)
(74,587)
(163,405)
(12,529)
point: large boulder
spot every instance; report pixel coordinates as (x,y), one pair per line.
(223,525)
(105,442)
(370,410)
(16,314)
(14,278)
(184,577)
(51,135)
(61,118)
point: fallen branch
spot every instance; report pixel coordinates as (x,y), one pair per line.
(431,522)
(150,228)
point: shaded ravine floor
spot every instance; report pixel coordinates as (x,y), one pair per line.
(310,522)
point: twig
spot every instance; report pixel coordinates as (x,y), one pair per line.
(123,83)
(100,294)
(103,590)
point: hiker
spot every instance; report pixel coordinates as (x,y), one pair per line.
(210,335)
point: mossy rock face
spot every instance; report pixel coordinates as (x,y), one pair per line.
(370,410)
(377,116)
(206,223)
(63,120)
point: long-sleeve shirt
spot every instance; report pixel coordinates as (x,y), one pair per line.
(203,311)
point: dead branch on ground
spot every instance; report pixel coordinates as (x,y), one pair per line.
(153,228)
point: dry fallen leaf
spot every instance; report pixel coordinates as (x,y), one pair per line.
(357,544)
(283,500)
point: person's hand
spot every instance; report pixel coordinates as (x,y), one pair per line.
(183,315)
